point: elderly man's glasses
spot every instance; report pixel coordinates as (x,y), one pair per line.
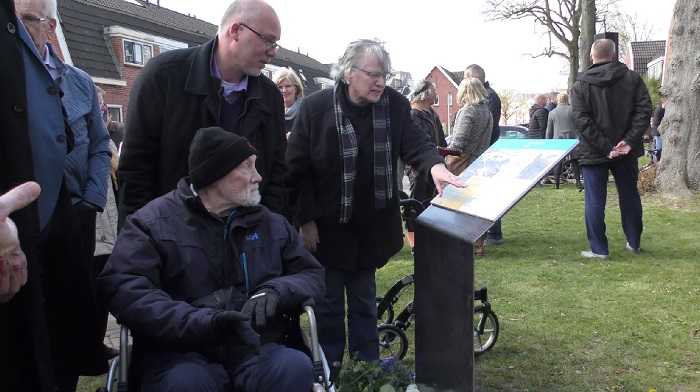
(31,19)
(269,43)
(376,74)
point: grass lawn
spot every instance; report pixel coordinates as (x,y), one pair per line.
(631,323)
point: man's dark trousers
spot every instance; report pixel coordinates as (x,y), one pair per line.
(71,309)
(625,171)
(362,314)
(277,368)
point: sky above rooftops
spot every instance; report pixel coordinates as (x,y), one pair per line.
(419,38)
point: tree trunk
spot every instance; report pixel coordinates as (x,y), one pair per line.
(587,33)
(573,47)
(679,169)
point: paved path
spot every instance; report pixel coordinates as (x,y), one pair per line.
(112,336)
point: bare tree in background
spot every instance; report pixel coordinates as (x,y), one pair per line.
(511,103)
(679,168)
(561,18)
(629,28)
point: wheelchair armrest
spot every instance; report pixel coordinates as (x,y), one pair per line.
(448,151)
(307,302)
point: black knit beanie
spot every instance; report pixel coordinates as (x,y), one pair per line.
(214,152)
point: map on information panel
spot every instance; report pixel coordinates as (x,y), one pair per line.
(502,175)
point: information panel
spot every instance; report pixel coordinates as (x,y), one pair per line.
(502,175)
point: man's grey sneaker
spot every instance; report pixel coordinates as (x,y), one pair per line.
(590,255)
(493,241)
(631,249)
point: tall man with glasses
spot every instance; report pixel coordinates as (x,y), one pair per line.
(215,84)
(342,158)
(48,330)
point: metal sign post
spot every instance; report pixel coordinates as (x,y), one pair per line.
(444,298)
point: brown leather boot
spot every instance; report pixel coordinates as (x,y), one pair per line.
(479,246)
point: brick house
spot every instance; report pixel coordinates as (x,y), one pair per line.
(112,40)
(446,84)
(640,55)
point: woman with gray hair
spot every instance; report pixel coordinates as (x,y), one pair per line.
(342,159)
(422,99)
(292,92)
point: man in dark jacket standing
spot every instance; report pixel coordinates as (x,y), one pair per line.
(476,71)
(612,108)
(342,157)
(216,84)
(538,118)
(494,236)
(198,273)
(44,343)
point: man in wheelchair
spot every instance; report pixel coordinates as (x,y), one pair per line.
(203,275)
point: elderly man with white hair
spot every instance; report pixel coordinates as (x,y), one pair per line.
(203,275)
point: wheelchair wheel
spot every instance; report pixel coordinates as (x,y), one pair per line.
(393,342)
(484,341)
(386,316)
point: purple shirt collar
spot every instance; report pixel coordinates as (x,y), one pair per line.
(50,63)
(229,87)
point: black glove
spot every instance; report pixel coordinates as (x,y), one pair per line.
(261,305)
(231,322)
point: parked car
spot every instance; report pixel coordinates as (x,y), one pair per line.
(507,132)
(513,132)
(520,132)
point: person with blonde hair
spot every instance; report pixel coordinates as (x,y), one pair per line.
(472,119)
(472,130)
(292,92)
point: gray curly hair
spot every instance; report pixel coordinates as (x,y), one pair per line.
(355,54)
(424,89)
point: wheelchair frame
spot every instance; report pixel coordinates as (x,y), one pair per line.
(392,328)
(323,376)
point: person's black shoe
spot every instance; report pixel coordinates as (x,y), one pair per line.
(110,352)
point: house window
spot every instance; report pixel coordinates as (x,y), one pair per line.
(115,113)
(437,100)
(137,53)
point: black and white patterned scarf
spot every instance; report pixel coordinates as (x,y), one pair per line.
(383,169)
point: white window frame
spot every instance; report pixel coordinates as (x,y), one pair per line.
(140,52)
(119,109)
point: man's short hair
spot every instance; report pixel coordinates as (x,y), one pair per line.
(234,11)
(475,71)
(49,7)
(603,49)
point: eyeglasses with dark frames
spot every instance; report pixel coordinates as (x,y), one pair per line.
(31,19)
(376,74)
(269,43)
